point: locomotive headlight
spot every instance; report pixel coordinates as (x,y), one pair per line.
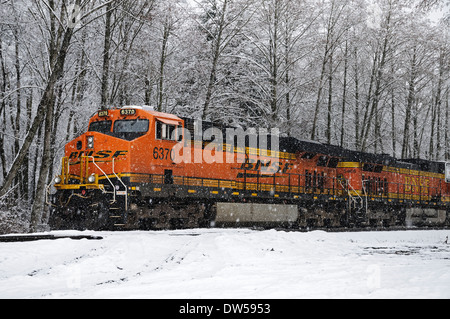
(90,142)
(57,180)
(91,179)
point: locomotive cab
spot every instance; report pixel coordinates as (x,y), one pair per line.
(116,143)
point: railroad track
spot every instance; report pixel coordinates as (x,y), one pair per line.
(363,229)
(25,238)
(31,237)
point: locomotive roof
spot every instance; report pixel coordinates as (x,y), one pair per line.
(151,110)
(292,145)
(425,165)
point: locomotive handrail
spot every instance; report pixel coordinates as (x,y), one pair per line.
(120,180)
(365,195)
(114,189)
(333,186)
(355,192)
(65,168)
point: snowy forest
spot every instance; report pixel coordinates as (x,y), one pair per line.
(369,75)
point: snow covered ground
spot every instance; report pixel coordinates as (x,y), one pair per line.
(229,263)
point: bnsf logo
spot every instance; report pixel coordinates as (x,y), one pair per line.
(98,155)
(265,168)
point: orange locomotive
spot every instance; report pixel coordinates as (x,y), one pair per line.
(139,169)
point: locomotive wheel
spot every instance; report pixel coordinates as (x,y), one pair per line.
(55,221)
(98,217)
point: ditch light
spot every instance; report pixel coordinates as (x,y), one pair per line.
(90,142)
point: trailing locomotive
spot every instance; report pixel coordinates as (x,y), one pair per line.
(136,168)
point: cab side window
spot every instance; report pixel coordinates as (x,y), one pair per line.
(159,130)
(166,132)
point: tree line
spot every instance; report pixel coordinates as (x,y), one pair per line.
(367,75)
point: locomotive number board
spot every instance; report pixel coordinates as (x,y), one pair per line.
(128,112)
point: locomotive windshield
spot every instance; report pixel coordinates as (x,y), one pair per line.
(100,126)
(130,129)
(131,126)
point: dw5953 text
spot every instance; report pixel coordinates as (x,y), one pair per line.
(246,308)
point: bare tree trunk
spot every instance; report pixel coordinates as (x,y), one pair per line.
(18,109)
(377,94)
(438,104)
(26,166)
(287,79)
(344,95)
(2,111)
(330,99)
(274,66)
(447,128)
(38,204)
(106,57)
(356,79)
(416,150)
(51,148)
(38,142)
(433,123)
(438,133)
(393,124)
(409,105)
(215,60)
(366,119)
(162,62)
(319,94)
(329,48)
